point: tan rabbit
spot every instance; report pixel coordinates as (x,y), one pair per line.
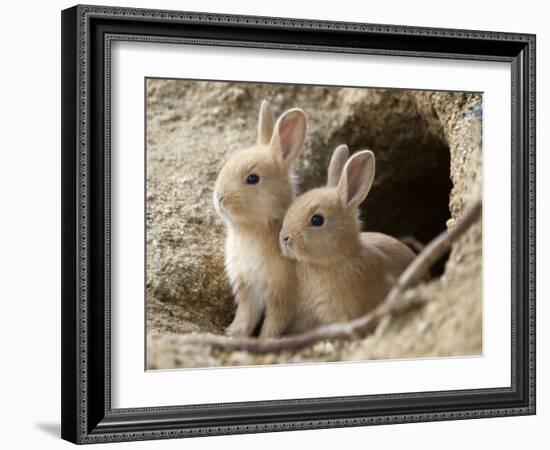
(252,193)
(342,273)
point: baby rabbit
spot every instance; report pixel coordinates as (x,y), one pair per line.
(252,193)
(342,273)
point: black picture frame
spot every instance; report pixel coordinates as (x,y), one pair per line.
(87,32)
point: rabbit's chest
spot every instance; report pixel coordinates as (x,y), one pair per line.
(324,302)
(253,262)
(332,297)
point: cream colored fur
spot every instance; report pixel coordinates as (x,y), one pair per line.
(263,281)
(342,273)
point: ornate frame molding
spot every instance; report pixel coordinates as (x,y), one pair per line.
(80,418)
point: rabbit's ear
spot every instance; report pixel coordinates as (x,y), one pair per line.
(265,123)
(288,137)
(357,178)
(336,165)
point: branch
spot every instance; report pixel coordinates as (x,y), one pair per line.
(432,252)
(365,325)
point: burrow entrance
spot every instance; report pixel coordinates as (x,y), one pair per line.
(410,196)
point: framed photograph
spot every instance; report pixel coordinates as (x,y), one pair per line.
(280,224)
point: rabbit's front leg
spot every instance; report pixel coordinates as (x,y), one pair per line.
(249,311)
(278,315)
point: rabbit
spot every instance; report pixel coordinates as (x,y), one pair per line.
(342,273)
(252,193)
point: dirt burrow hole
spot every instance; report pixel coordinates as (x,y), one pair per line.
(410,195)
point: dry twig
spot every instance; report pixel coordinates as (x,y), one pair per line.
(365,325)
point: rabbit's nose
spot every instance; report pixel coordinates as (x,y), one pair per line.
(220,198)
(285,239)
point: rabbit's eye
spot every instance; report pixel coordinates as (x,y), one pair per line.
(317,220)
(252,179)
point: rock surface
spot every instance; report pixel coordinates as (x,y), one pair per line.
(428,149)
